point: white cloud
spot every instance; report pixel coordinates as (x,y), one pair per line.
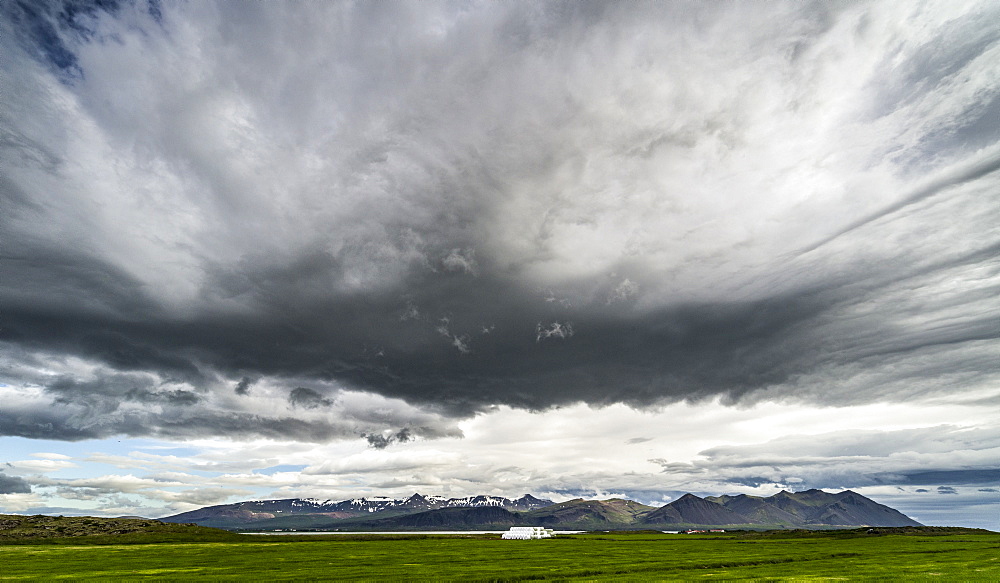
(20,502)
(553,330)
(389,462)
(51,456)
(460,260)
(623,291)
(40,466)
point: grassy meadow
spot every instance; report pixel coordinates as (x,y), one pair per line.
(586,557)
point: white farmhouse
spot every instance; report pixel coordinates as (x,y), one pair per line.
(526,532)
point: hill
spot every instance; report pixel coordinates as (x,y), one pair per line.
(21,529)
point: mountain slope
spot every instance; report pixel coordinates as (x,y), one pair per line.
(757,510)
(690,509)
(588,514)
(804,504)
(852,508)
(472,517)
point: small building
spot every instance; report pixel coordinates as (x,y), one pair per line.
(527,533)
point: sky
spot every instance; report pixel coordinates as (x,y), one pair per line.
(572,249)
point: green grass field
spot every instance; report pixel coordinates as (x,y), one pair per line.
(589,557)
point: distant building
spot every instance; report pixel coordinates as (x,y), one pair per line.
(526,533)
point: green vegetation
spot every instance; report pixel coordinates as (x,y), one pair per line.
(76,530)
(893,554)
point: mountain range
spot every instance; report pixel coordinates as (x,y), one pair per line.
(808,509)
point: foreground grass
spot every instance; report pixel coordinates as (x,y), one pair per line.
(594,557)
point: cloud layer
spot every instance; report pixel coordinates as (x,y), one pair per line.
(232,219)
(937,465)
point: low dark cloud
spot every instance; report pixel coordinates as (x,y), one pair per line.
(752,481)
(521,228)
(307,398)
(109,392)
(689,351)
(13,485)
(381,441)
(84,421)
(243,387)
(956,477)
(946,490)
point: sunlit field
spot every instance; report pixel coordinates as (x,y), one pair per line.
(587,557)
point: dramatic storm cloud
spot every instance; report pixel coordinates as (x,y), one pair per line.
(321,221)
